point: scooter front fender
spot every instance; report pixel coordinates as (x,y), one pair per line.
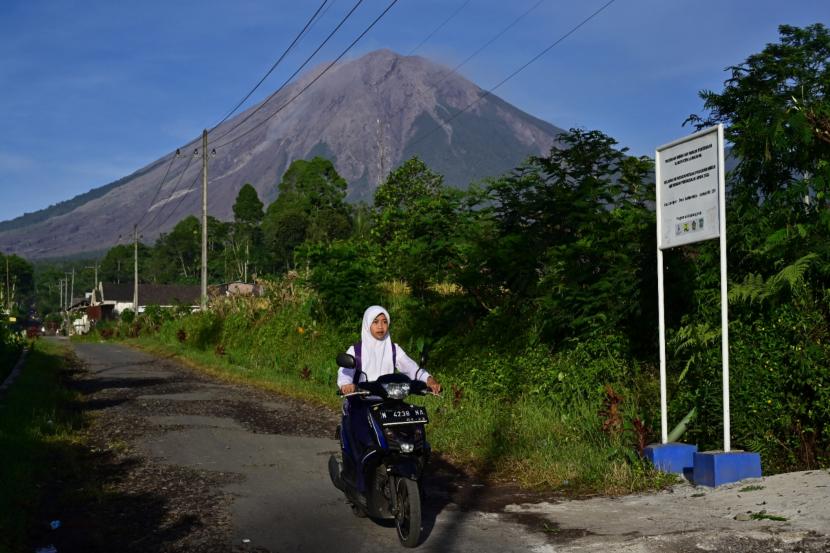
(406,467)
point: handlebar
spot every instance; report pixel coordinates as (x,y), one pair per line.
(425,392)
(357,393)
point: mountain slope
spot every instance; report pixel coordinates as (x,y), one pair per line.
(366,115)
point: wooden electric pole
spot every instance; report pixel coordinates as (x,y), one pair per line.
(204,218)
(67,299)
(8,289)
(95,281)
(135,269)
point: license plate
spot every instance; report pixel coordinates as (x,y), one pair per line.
(406,414)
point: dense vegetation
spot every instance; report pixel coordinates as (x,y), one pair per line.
(536,289)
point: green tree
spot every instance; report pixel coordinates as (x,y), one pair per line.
(345,277)
(245,241)
(176,256)
(247,209)
(310,208)
(574,237)
(17,285)
(118,264)
(419,226)
(775,110)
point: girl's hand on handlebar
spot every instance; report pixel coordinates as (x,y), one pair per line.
(434,385)
(348,389)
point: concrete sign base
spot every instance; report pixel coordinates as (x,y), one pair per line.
(672,457)
(715,468)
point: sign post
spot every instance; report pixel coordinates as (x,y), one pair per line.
(691,207)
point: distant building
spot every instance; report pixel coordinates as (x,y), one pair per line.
(237,289)
(109,300)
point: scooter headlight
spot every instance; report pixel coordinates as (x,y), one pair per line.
(407,448)
(396,390)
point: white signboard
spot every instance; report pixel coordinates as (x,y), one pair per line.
(691,206)
(687,174)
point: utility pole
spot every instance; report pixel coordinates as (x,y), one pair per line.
(95,282)
(60,286)
(72,293)
(204,218)
(66,297)
(95,268)
(135,269)
(8,288)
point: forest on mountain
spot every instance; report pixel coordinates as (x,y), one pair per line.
(537,288)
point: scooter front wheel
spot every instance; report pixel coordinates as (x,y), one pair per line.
(408,517)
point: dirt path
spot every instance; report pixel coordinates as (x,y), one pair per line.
(182,462)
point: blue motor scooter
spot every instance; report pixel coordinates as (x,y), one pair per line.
(384,451)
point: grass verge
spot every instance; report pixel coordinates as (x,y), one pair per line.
(528,439)
(37,424)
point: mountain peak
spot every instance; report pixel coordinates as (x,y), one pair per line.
(367,115)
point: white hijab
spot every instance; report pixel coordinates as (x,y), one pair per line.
(376,355)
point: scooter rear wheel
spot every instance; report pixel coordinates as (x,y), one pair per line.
(408,517)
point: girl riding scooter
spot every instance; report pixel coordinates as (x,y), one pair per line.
(376,354)
(382,438)
(379,355)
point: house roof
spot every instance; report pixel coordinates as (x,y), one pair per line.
(153,294)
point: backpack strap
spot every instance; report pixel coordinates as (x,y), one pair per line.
(358,360)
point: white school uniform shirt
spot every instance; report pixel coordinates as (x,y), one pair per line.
(405,365)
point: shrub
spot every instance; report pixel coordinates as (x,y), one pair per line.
(203,329)
(128,316)
(779,388)
(345,278)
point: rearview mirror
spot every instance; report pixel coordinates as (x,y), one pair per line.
(345,360)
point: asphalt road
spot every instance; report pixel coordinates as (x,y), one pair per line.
(260,460)
(273,468)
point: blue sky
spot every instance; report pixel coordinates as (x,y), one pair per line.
(91,90)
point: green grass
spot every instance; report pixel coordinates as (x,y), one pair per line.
(546,433)
(528,440)
(232,369)
(36,421)
(533,442)
(763,515)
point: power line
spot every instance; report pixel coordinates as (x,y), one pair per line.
(299,35)
(514,73)
(274,66)
(488,43)
(288,80)
(248,116)
(439,27)
(323,72)
(183,195)
(172,192)
(161,184)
